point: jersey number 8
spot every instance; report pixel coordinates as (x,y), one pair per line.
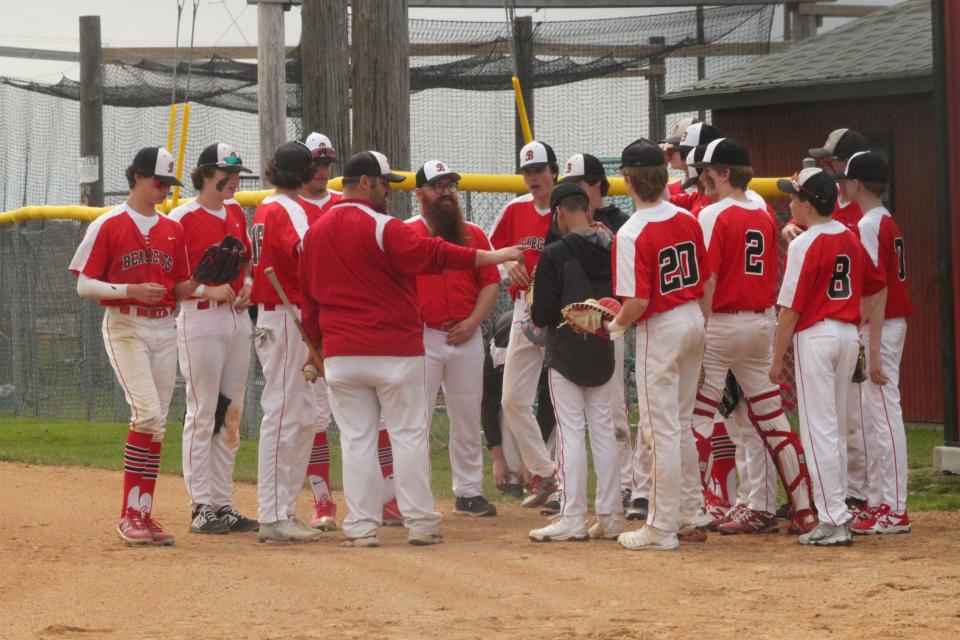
(839,288)
(678,267)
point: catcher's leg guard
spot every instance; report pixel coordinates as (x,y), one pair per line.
(704,451)
(723,452)
(766,414)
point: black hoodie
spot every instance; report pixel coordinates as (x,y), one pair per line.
(572,269)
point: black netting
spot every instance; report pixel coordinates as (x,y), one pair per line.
(591,95)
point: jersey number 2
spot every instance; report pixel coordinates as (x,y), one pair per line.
(256,239)
(678,267)
(840,280)
(753,258)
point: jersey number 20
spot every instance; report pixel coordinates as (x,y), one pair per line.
(256,239)
(840,280)
(678,267)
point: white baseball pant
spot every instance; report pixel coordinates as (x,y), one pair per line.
(633,471)
(213,344)
(459,369)
(360,387)
(143,354)
(669,346)
(571,404)
(521,373)
(825,356)
(323,405)
(289,415)
(884,433)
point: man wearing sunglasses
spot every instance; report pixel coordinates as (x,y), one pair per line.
(358,276)
(213,340)
(454,304)
(134,261)
(316,198)
(832,157)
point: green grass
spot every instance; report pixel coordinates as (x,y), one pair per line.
(100,445)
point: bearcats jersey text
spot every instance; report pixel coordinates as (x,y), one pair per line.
(521,223)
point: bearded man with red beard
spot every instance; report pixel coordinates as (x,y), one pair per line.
(454,303)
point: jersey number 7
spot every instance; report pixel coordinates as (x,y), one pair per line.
(678,267)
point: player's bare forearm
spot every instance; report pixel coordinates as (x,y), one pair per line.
(486,300)
(185,289)
(504,256)
(706,302)
(786,326)
(875,306)
(631,311)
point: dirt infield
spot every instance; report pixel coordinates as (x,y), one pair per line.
(64,574)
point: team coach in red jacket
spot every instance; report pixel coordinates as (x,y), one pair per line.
(358,276)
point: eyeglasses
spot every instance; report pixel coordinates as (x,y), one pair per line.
(444,187)
(799,187)
(322,152)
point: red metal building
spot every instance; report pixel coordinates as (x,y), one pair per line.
(874,75)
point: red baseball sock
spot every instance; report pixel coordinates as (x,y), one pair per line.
(724,454)
(320,466)
(135,455)
(386,454)
(148,484)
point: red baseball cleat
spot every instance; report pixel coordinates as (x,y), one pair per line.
(391,514)
(160,537)
(750,521)
(325,515)
(801,523)
(133,530)
(540,490)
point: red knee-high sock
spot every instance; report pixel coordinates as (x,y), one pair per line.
(386,453)
(704,452)
(724,454)
(135,455)
(148,484)
(319,466)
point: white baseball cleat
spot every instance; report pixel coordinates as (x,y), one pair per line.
(364,542)
(424,539)
(828,535)
(562,530)
(647,539)
(607,527)
(689,522)
(286,531)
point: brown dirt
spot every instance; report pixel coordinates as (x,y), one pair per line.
(64,574)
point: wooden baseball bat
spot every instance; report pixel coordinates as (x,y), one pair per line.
(272,277)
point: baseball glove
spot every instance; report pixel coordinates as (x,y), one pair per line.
(860,372)
(731,396)
(588,316)
(221,263)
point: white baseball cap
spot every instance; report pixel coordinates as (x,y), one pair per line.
(536,154)
(320,147)
(432,170)
(582,164)
(682,125)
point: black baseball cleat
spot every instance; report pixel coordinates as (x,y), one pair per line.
(784,510)
(513,490)
(638,509)
(237,522)
(476,506)
(206,521)
(552,506)
(625,497)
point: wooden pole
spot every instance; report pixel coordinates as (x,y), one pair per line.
(701,61)
(91,113)
(325,58)
(657,119)
(381,85)
(523,63)
(271,80)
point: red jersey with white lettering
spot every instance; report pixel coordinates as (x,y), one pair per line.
(826,276)
(659,255)
(884,244)
(451,295)
(316,208)
(276,235)
(358,273)
(741,239)
(203,228)
(521,223)
(115,250)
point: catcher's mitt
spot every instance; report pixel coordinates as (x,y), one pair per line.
(588,316)
(221,263)
(731,396)
(860,372)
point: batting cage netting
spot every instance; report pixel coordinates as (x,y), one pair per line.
(595,82)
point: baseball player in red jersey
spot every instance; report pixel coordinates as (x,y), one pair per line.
(659,267)
(213,341)
(741,238)
(316,198)
(820,301)
(687,194)
(454,304)
(525,221)
(833,157)
(360,301)
(134,261)
(864,181)
(289,402)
